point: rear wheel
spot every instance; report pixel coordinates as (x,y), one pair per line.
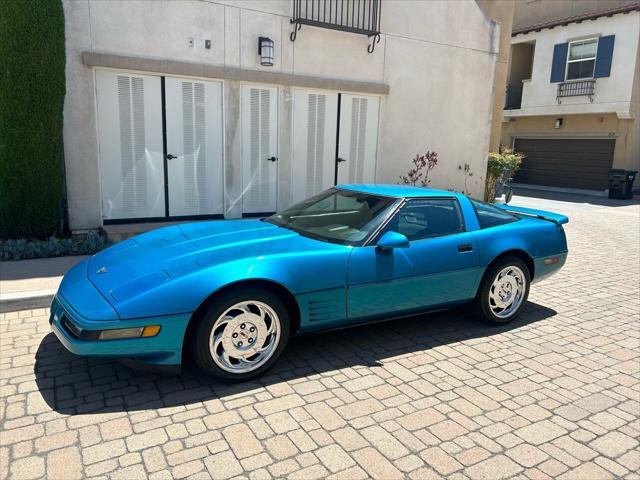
(504,291)
(241,335)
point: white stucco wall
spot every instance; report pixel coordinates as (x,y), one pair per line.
(437,57)
(613,94)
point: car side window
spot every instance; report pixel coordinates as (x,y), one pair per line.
(427,218)
(491,216)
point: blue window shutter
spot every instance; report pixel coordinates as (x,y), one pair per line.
(559,64)
(604,56)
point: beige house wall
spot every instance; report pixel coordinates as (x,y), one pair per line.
(437,58)
(501,11)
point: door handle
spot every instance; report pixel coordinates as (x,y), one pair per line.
(272,159)
(465,247)
(341,159)
(171,157)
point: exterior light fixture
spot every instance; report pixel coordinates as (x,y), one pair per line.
(558,122)
(265,50)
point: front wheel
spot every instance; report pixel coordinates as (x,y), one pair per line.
(504,291)
(241,335)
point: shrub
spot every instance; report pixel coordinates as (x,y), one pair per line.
(418,174)
(466,170)
(501,166)
(32,87)
(22,249)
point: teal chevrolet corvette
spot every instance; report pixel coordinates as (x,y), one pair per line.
(231,293)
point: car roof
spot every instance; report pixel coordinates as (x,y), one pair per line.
(398,191)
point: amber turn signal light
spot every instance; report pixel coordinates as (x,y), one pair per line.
(150,331)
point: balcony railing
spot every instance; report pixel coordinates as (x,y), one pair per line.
(582,88)
(513,97)
(355,16)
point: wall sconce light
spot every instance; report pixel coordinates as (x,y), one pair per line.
(558,122)
(265,50)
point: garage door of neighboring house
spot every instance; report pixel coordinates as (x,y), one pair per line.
(569,163)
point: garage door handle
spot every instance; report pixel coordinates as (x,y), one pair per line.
(273,159)
(341,159)
(171,157)
(467,247)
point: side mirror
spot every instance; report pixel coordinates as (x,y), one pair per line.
(392,240)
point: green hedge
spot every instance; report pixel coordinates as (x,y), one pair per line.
(32,88)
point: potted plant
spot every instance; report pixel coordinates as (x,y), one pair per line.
(501,167)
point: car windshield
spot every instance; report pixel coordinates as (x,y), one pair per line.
(337,216)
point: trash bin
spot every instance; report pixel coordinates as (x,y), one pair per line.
(621,183)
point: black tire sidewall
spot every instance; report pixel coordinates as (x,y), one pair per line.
(200,341)
(483,299)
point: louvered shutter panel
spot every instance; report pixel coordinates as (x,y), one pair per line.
(194,137)
(559,62)
(130,141)
(194,165)
(358,133)
(314,147)
(358,139)
(259,143)
(604,56)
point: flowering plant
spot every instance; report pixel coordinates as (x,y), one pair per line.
(418,174)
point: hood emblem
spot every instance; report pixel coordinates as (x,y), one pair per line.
(101,270)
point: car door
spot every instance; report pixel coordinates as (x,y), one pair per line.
(440,267)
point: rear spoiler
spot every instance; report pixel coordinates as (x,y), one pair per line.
(530,212)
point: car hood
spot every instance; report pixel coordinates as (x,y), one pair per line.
(147,261)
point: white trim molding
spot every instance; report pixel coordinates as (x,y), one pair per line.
(203,70)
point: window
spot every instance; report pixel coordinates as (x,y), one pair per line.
(581,59)
(490,216)
(337,216)
(419,219)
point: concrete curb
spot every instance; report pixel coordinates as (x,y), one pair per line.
(11,302)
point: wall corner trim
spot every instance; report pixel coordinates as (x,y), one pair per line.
(174,67)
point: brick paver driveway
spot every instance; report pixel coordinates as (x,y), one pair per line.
(554,395)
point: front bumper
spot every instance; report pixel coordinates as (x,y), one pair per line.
(71,328)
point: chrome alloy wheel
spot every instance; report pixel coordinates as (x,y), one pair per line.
(507,291)
(245,336)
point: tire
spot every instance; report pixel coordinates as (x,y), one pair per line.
(496,301)
(233,331)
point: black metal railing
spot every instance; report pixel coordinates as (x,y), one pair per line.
(513,97)
(356,16)
(582,88)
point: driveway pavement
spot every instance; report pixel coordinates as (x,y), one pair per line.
(554,395)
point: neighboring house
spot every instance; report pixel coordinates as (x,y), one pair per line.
(209,109)
(573,95)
